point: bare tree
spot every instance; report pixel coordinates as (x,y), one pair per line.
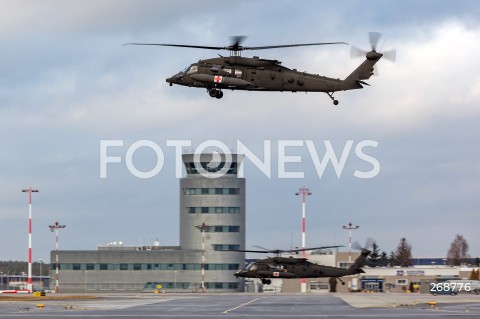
(403,254)
(458,252)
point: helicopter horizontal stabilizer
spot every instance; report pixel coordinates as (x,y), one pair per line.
(363,82)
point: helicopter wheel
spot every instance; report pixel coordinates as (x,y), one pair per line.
(266,281)
(335,102)
(215,93)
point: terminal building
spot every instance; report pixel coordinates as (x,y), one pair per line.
(212,195)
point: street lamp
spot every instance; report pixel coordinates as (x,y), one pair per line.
(55,227)
(350,228)
(29,190)
(203,227)
(304,192)
(40,261)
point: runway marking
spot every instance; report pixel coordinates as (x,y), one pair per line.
(244,304)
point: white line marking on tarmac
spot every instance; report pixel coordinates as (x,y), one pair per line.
(244,304)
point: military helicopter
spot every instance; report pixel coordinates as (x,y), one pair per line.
(255,74)
(290,267)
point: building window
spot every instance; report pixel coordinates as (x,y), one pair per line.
(123,266)
(344,265)
(191,169)
(225,247)
(77,267)
(103,266)
(211,191)
(90,266)
(402,282)
(137,266)
(223,229)
(213,210)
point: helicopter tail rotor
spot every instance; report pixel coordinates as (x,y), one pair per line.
(368,244)
(374,38)
(374,54)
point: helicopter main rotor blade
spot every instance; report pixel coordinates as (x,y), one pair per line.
(263,248)
(235,46)
(181,46)
(236,41)
(290,45)
(314,248)
(279,251)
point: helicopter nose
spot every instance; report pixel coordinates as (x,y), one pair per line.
(240,273)
(175,78)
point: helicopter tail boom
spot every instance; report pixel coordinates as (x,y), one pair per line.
(363,72)
(356,267)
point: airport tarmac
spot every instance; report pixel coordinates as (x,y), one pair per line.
(266,305)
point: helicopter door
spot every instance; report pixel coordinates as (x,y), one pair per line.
(252,76)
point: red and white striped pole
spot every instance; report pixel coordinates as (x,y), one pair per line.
(203,227)
(350,227)
(56,227)
(30,190)
(304,192)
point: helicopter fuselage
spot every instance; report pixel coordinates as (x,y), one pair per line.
(281,267)
(254,74)
(289,267)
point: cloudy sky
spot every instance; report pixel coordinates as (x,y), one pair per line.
(66,83)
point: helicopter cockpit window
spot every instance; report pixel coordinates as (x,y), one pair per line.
(251,266)
(238,73)
(192,69)
(229,71)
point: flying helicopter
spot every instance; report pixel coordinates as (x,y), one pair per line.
(290,267)
(235,72)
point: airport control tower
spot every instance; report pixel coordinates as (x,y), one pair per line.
(212,194)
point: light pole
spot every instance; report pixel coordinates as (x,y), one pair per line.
(29,190)
(55,227)
(350,228)
(304,192)
(203,227)
(40,261)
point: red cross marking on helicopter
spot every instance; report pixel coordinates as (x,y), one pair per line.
(217,79)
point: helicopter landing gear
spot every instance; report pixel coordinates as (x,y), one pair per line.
(266,281)
(335,102)
(215,93)
(343,282)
